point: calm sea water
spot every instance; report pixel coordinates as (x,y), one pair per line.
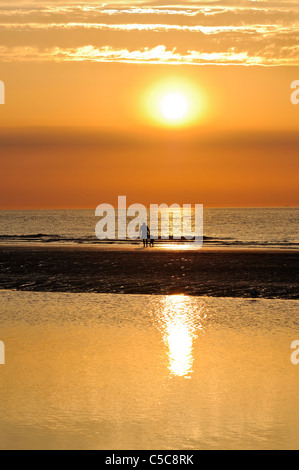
(265,228)
(87,371)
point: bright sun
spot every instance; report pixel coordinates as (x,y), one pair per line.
(174,106)
(174,103)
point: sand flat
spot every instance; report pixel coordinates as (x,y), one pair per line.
(219,273)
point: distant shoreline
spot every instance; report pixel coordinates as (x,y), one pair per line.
(243,273)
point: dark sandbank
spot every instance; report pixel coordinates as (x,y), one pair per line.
(252,274)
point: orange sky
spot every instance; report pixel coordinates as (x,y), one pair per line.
(76,129)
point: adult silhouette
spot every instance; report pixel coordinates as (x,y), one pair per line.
(143,231)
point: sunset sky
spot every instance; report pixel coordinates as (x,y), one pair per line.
(89,97)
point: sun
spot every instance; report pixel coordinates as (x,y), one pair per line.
(174,103)
(174,106)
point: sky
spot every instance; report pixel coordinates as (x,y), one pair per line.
(84,89)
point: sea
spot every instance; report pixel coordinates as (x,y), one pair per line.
(265,228)
(139,372)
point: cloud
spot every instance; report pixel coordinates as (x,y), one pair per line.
(265,30)
(156,55)
(248,32)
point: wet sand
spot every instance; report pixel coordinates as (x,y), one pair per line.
(239,273)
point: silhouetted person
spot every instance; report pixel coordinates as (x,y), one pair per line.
(144,234)
(150,239)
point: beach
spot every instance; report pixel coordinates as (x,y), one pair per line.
(195,355)
(116,346)
(218,273)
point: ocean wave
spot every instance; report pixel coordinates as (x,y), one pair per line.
(92,240)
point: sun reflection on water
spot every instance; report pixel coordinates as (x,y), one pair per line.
(180,321)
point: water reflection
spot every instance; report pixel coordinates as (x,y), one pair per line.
(178,246)
(180,320)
